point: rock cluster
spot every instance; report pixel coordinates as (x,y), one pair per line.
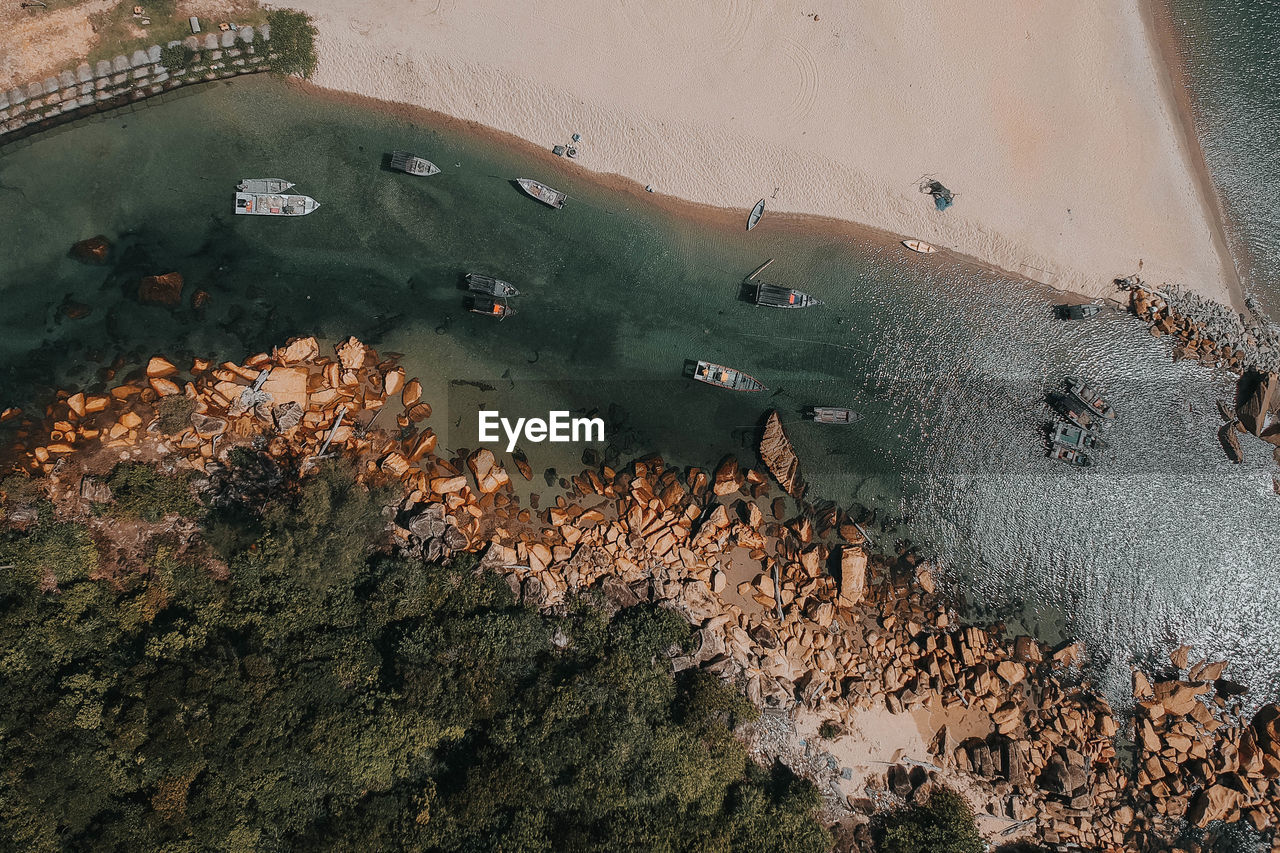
(1206,330)
(793,605)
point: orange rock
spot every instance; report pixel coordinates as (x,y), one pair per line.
(158,366)
(165,387)
(93,405)
(412,393)
(130,420)
(393,381)
(297,350)
(351,353)
(76,403)
(161,289)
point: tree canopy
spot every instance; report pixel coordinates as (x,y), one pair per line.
(325,695)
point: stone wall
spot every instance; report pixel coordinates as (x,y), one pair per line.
(111,83)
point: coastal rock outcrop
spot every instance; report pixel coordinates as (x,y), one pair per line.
(1257,395)
(780,457)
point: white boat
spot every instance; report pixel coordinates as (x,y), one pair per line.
(264,186)
(920,246)
(756,213)
(403,161)
(542,192)
(255,204)
(834,415)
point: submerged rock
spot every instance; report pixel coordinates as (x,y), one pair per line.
(1256,394)
(780,457)
(95,250)
(1231,442)
(161,289)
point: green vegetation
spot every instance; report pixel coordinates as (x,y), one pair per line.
(175,411)
(293,40)
(119,32)
(327,696)
(829,730)
(175,58)
(140,491)
(942,825)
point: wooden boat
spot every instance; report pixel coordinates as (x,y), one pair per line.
(773,296)
(834,415)
(1091,397)
(1070,456)
(1077,312)
(264,186)
(542,192)
(756,213)
(490,286)
(490,307)
(1074,411)
(253,204)
(726,377)
(411,164)
(920,246)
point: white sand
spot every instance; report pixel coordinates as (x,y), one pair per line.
(1050,121)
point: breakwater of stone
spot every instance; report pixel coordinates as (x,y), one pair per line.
(1207,331)
(112,83)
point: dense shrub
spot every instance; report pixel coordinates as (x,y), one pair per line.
(944,824)
(143,492)
(174,413)
(176,57)
(293,40)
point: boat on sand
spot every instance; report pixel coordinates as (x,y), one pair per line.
(920,246)
(542,192)
(725,377)
(756,213)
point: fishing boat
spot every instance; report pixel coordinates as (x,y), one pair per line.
(412,164)
(756,212)
(264,186)
(1070,456)
(920,246)
(726,377)
(1075,437)
(833,415)
(490,307)
(1091,397)
(1073,410)
(1077,312)
(542,192)
(257,204)
(490,286)
(773,296)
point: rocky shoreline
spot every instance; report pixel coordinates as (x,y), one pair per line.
(786,597)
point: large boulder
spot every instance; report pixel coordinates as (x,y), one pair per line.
(1256,393)
(853,575)
(728,478)
(780,457)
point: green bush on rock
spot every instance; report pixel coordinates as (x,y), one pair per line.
(944,824)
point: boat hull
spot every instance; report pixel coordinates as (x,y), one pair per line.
(264,186)
(254,204)
(542,192)
(490,286)
(920,246)
(726,377)
(753,219)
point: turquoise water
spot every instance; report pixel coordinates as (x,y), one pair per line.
(1165,541)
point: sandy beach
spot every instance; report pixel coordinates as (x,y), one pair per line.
(1055,125)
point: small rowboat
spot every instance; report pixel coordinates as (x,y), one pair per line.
(412,164)
(920,246)
(756,213)
(490,286)
(1077,312)
(491,308)
(773,296)
(726,377)
(264,186)
(542,192)
(834,415)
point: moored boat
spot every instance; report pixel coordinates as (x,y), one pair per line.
(756,212)
(490,307)
(726,377)
(1077,312)
(264,186)
(542,192)
(920,246)
(1070,456)
(1091,397)
(255,204)
(490,286)
(773,296)
(412,164)
(1075,437)
(833,415)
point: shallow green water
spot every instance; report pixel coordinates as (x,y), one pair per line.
(1164,541)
